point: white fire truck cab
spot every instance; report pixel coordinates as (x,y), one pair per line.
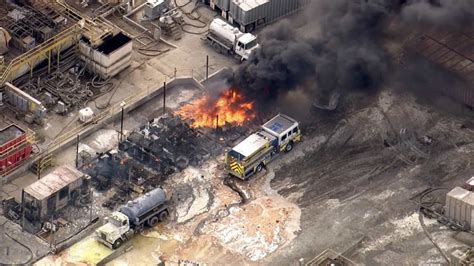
(252,154)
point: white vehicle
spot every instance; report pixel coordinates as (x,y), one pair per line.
(252,154)
(227,39)
(148,209)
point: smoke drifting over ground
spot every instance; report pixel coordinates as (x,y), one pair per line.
(439,13)
(340,48)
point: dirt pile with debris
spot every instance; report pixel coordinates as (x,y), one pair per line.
(258,228)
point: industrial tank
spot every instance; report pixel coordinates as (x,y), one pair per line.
(224,31)
(4,40)
(138,207)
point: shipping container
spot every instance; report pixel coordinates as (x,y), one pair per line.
(10,136)
(14,148)
(459,207)
(221,5)
(251,14)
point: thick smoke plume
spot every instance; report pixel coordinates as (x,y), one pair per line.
(340,47)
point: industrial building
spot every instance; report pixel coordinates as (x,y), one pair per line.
(179,132)
(252,14)
(44,198)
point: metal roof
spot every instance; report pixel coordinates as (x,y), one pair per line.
(279,124)
(247,37)
(53,182)
(470,181)
(462,195)
(247,5)
(250,145)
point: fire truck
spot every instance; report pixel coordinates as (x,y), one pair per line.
(252,154)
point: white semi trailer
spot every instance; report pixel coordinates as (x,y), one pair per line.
(227,39)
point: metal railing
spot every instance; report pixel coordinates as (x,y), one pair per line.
(113,110)
(93,28)
(37,52)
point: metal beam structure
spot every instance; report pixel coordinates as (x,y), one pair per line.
(93,29)
(455,52)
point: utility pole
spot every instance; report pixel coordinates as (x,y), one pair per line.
(77,151)
(217,123)
(129,183)
(22,209)
(164,97)
(207,66)
(51,242)
(92,198)
(121,125)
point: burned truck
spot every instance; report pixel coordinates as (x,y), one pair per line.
(64,186)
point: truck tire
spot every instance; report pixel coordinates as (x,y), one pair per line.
(117,243)
(152,221)
(217,47)
(259,168)
(163,216)
(274,150)
(289,147)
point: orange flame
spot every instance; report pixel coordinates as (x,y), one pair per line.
(230,107)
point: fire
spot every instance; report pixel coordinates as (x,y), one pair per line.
(230,107)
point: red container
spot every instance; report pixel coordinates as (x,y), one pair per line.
(14,148)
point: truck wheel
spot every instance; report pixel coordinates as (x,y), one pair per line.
(289,147)
(153,221)
(217,47)
(117,243)
(163,216)
(259,168)
(275,150)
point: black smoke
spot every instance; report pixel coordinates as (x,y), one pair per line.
(340,47)
(450,14)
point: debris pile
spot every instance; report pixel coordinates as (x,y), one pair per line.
(148,156)
(168,144)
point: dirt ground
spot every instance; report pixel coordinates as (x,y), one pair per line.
(354,190)
(346,187)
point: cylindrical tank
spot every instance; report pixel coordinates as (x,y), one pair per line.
(224,30)
(136,208)
(4,40)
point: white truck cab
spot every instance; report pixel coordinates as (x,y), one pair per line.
(112,233)
(245,45)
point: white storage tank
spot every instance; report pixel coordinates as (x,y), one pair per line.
(4,41)
(459,207)
(223,30)
(86,115)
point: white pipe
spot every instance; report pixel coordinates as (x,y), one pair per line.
(135,10)
(147,31)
